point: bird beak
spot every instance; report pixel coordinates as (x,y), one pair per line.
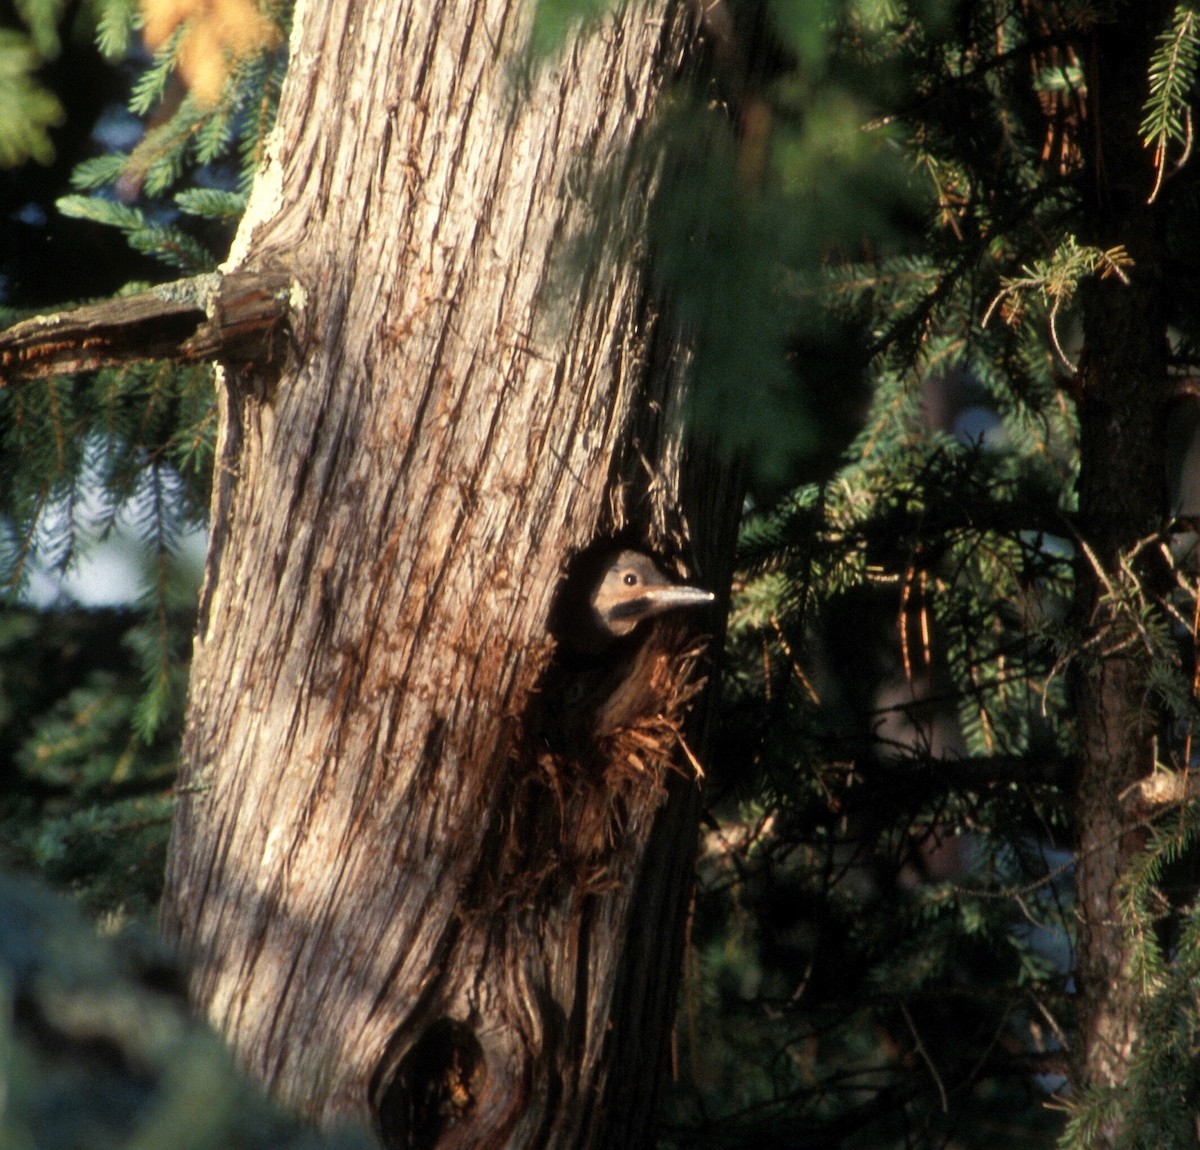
(655,600)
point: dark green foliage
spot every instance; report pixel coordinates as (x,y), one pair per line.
(87,798)
(882,943)
(89,742)
(100,1051)
(904,916)
(752,208)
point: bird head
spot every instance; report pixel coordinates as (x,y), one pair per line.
(632,588)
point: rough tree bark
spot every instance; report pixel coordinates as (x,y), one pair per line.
(1124,389)
(407,895)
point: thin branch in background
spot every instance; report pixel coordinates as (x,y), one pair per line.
(933,1070)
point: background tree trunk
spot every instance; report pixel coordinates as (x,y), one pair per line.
(1121,503)
(400,896)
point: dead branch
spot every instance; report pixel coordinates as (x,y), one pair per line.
(239,318)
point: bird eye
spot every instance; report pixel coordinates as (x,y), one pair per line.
(630,579)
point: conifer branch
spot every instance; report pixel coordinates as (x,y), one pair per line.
(1168,116)
(238,318)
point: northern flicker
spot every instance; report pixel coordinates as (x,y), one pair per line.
(628,589)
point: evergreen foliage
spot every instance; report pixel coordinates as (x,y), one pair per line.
(100,1052)
(127,452)
(1168,119)
(883,941)
(875,240)
(27,110)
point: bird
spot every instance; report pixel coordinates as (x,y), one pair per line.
(602,675)
(605,596)
(631,589)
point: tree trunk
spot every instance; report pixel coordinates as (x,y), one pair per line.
(1121,502)
(409,893)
